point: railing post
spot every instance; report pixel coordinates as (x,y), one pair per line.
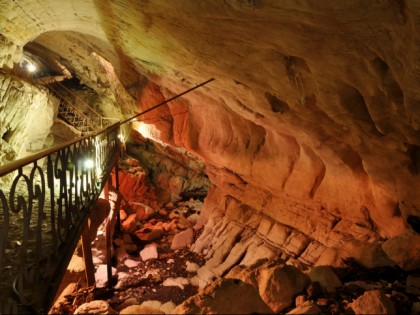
(87,256)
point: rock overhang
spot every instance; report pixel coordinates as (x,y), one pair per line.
(317,104)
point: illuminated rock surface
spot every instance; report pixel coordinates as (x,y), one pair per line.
(310,133)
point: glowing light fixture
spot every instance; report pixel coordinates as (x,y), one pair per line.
(89,164)
(31,67)
(121,137)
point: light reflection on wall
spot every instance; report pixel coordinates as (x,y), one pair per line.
(147,131)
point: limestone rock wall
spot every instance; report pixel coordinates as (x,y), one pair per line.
(26,116)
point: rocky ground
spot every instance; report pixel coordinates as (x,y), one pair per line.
(156,272)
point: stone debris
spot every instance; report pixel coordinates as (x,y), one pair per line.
(131,263)
(95,307)
(192,267)
(152,304)
(182,239)
(176,282)
(140,309)
(326,278)
(130,224)
(149,233)
(413,284)
(101,275)
(373,302)
(167,307)
(149,252)
(307,307)
(217,298)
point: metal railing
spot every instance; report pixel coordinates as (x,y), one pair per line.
(43,213)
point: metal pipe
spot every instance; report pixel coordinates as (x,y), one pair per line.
(164,102)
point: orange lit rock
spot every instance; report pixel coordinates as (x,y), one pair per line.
(130,224)
(149,233)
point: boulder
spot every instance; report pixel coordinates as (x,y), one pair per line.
(373,302)
(130,224)
(278,285)
(326,278)
(404,250)
(149,234)
(413,284)
(222,297)
(307,307)
(167,307)
(140,309)
(95,307)
(182,239)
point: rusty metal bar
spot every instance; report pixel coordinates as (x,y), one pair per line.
(166,101)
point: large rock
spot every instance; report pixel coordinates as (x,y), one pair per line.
(307,307)
(373,302)
(182,239)
(404,250)
(326,278)
(95,307)
(279,284)
(149,233)
(225,296)
(140,309)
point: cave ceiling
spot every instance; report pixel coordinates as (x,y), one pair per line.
(317,102)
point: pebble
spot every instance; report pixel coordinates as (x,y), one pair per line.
(149,252)
(176,282)
(192,267)
(131,263)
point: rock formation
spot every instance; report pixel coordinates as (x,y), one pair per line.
(310,133)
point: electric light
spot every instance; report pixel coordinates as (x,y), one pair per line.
(31,67)
(121,137)
(89,164)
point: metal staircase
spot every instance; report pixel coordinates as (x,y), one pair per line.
(74,117)
(67,111)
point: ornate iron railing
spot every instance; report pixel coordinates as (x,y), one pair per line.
(45,201)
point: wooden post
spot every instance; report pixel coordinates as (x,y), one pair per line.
(106,190)
(87,257)
(108,249)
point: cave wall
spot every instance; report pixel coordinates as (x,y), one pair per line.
(313,119)
(27,114)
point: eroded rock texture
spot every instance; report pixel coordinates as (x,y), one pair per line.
(26,116)
(310,132)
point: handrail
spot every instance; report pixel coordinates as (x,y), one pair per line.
(9,167)
(71,105)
